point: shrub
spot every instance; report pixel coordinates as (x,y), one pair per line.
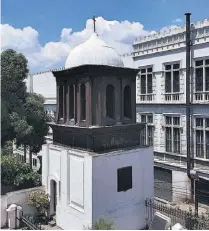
(40,201)
(18,174)
(103,224)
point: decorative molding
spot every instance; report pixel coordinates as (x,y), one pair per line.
(172,32)
(75,201)
(171,39)
(55,148)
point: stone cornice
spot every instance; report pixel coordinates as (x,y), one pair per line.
(171,39)
(163,47)
(197,26)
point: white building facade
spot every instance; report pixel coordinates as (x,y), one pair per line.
(86,186)
(161,99)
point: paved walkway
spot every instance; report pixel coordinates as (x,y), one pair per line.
(48,227)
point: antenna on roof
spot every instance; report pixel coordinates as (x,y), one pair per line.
(94,21)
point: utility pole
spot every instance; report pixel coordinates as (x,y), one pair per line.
(192,174)
(188,102)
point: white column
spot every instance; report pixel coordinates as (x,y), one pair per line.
(14,214)
(45,165)
(64,177)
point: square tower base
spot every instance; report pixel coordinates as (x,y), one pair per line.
(84,186)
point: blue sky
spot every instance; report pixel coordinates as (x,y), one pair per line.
(49,17)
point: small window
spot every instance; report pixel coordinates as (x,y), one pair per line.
(124,179)
(207,123)
(149,83)
(143,119)
(176,66)
(143,84)
(199,63)
(61,101)
(34,162)
(83,101)
(199,122)
(150,119)
(71,102)
(149,69)
(168,82)
(127,101)
(176,121)
(168,67)
(110,101)
(168,120)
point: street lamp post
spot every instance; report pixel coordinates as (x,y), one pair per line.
(195,177)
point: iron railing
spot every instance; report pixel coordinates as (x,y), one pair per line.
(29,222)
(187,219)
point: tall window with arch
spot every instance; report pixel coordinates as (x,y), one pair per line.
(127,101)
(71,102)
(110,101)
(83,101)
(61,102)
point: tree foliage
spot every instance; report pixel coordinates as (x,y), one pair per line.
(17,174)
(198,222)
(37,118)
(7,148)
(23,116)
(40,201)
(13,90)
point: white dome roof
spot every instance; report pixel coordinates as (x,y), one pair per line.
(94,52)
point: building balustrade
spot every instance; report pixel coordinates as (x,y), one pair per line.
(172,96)
(146,97)
(201,97)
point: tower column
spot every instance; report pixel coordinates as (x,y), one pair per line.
(45,165)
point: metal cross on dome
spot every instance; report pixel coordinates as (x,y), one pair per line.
(94,21)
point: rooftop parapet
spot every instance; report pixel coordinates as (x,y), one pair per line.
(172,31)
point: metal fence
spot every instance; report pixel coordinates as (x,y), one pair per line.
(29,222)
(187,219)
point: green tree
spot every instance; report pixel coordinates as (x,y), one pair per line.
(23,116)
(37,119)
(13,90)
(32,128)
(7,148)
